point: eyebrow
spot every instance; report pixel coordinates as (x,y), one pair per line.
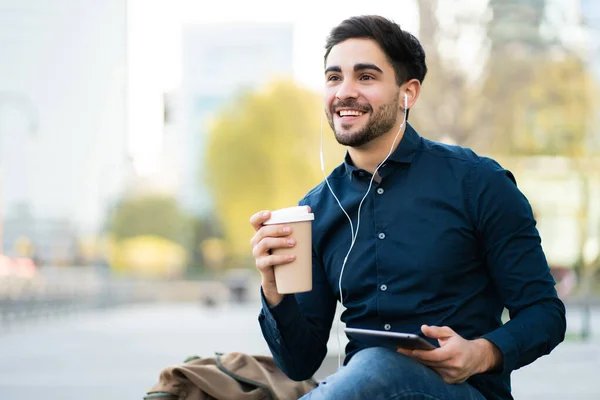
(357,67)
(363,66)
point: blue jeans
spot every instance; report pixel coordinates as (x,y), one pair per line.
(378,373)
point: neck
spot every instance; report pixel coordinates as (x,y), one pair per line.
(370,155)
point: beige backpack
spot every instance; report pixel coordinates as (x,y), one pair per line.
(231,376)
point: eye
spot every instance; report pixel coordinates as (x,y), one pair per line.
(333,78)
(366,77)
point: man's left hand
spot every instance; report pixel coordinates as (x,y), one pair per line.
(456,359)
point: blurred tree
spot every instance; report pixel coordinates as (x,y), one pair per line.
(551,114)
(148,256)
(464,105)
(263,153)
(533,97)
(446,87)
(522,46)
(148,234)
(202,229)
(214,252)
(153,214)
(539,99)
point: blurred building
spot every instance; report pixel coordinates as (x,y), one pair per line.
(62,118)
(590,15)
(219,60)
(515,26)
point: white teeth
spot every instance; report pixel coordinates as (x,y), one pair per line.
(353,113)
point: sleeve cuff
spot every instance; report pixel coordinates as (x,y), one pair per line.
(283,314)
(508,347)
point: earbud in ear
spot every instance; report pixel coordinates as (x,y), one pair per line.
(405,101)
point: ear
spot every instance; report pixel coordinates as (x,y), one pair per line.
(412,89)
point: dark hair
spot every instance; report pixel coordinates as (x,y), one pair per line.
(402,49)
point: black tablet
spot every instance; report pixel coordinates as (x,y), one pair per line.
(390,339)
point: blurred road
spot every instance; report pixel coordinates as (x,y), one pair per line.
(118,353)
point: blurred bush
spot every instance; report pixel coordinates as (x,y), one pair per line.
(148,256)
(150,214)
(263,153)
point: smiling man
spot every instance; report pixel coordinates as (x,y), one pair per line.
(446,241)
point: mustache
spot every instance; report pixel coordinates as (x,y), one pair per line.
(351,104)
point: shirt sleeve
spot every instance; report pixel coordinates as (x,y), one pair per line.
(512,250)
(297,329)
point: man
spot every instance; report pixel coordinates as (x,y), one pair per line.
(446,242)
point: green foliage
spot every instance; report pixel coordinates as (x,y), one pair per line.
(152,215)
(148,256)
(555,110)
(542,107)
(263,154)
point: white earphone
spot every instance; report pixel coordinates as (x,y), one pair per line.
(354,233)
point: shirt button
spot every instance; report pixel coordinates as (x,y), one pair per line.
(361,173)
(380,191)
(381,236)
(383,288)
(387,327)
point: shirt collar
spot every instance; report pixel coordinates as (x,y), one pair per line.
(404,153)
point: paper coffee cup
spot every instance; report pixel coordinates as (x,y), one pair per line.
(295,277)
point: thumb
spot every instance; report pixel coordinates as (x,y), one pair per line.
(437,332)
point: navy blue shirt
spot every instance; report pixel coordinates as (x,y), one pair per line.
(446,238)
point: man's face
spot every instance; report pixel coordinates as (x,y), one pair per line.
(361,93)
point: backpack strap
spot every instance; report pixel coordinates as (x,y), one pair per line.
(160,396)
(239,378)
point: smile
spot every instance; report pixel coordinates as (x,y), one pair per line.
(350,113)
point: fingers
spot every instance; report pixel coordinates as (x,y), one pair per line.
(404,352)
(265,263)
(265,245)
(437,332)
(258,219)
(441,358)
(445,367)
(452,361)
(437,357)
(270,231)
(267,238)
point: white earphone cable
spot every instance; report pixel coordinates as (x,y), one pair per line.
(354,234)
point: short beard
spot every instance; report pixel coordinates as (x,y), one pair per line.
(377,125)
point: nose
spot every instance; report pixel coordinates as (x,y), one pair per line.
(346,90)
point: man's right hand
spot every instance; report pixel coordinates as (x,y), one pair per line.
(266,239)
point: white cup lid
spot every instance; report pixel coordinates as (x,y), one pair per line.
(290,214)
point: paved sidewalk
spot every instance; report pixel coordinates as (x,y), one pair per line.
(118,353)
